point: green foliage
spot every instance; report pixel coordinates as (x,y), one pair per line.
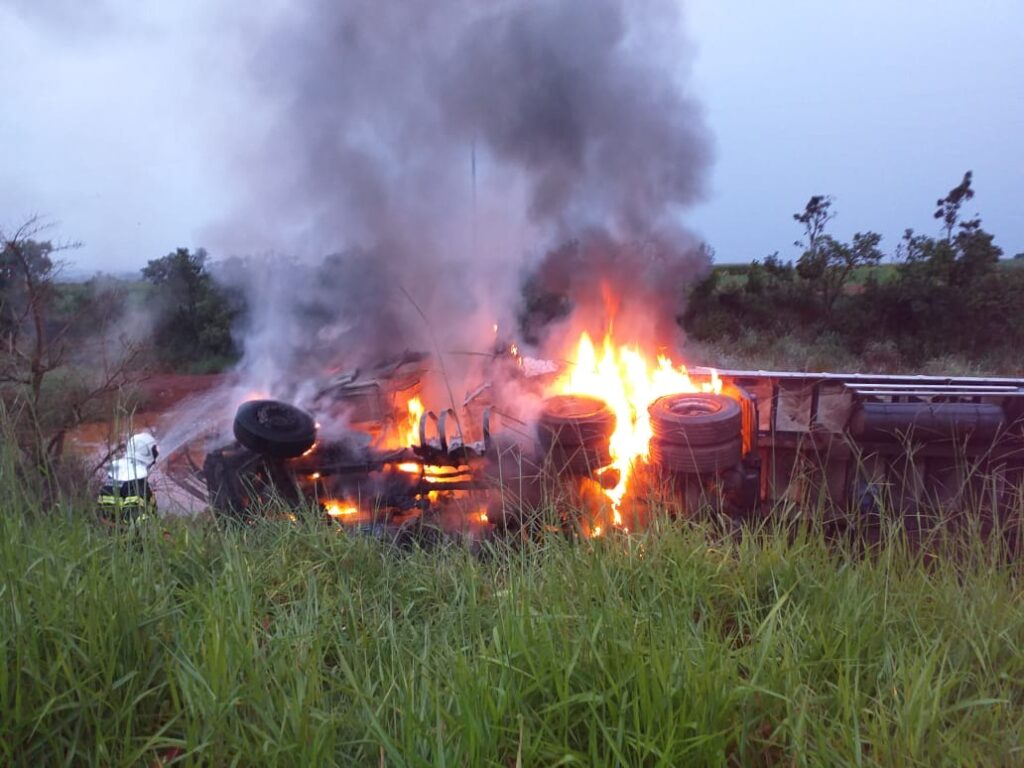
(948,207)
(22,264)
(195,314)
(943,297)
(829,267)
(292,645)
(773,299)
(950,297)
(59,359)
(815,217)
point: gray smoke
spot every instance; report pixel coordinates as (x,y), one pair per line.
(438,148)
(578,97)
(633,287)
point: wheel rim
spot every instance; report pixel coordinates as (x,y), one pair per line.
(574,407)
(694,407)
(276,417)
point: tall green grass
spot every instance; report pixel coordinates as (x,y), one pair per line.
(298,645)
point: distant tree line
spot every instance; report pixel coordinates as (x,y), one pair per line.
(944,295)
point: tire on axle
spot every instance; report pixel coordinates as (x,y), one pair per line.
(695,418)
(697,459)
(696,433)
(273,428)
(575,420)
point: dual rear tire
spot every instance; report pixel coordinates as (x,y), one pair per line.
(574,432)
(693,434)
(696,433)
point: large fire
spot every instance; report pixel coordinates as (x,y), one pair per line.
(410,430)
(337,508)
(623,377)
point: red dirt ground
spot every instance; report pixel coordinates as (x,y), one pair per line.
(159,394)
(164,390)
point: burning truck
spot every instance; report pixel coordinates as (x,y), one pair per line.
(460,150)
(604,443)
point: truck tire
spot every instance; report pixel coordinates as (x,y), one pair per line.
(575,420)
(696,419)
(273,428)
(578,459)
(696,459)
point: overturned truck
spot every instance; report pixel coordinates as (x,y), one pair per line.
(851,449)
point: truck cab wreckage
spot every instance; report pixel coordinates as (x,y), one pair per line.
(849,449)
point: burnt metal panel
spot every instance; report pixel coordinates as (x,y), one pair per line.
(835,405)
(761,389)
(793,408)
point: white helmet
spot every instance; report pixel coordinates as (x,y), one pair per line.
(124,470)
(142,448)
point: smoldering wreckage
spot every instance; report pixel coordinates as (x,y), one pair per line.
(606,442)
(443,141)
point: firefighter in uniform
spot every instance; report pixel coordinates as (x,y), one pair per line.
(126,495)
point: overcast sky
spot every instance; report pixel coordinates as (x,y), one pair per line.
(119,120)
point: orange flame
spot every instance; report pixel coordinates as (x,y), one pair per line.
(337,508)
(434,474)
(622,377)
(409,433)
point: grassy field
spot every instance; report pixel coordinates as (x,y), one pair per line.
(736,274)
(755,350)
(296,645)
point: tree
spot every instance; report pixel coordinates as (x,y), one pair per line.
(948,207)
(834,263)
(815,217)
(827,263)
(950,295)
(194,315)
(977,255)
(51,368)
(944,295)
(181,276)
(26,290)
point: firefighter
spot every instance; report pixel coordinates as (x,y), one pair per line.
(126,495)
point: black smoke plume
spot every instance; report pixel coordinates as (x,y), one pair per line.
(439,148)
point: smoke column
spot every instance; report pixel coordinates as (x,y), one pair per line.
(438,149)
